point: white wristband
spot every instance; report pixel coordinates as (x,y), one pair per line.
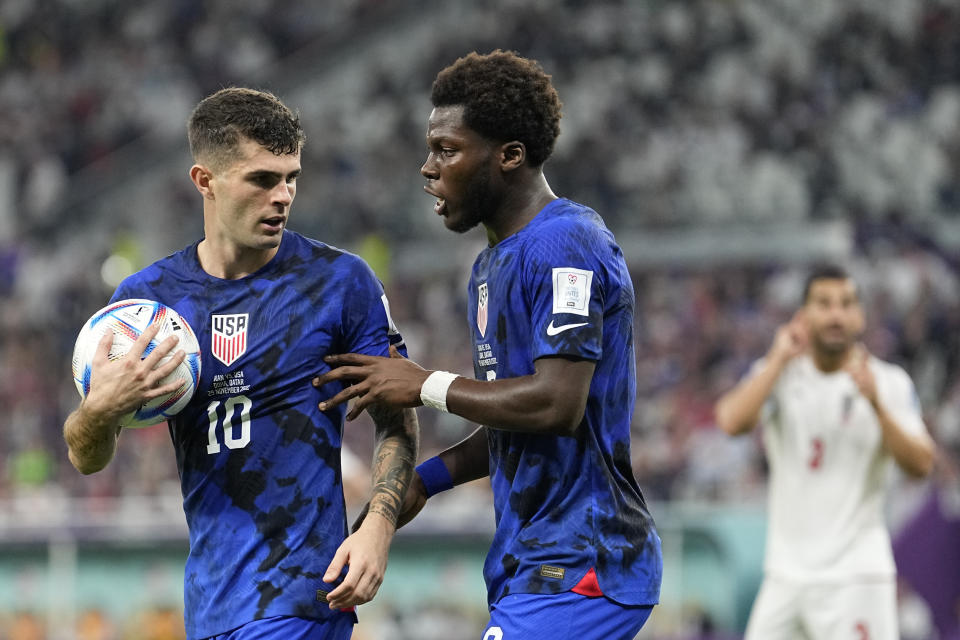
(433,392)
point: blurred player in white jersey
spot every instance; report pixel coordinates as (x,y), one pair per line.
(833,417)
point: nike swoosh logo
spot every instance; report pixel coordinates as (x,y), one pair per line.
(552,330)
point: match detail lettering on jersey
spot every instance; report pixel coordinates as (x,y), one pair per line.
(571,290)
(552,330)
(228,336)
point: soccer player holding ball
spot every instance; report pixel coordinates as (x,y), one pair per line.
(834,416)
(259,462)
(575,554)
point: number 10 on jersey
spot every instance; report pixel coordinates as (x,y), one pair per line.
(225,414)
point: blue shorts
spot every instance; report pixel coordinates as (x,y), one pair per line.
(563,616)
(338,627)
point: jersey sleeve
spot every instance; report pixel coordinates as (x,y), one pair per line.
(124,291)
(770,411)
(133,287)
(368,327)
(901,399)
(565,286)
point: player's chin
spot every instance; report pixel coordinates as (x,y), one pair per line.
(836,345)
(459,223)
(268,239)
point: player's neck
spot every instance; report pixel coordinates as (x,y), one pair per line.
(519,206)
(230,262)
(828,362)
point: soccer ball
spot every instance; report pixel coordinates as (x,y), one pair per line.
(128,319)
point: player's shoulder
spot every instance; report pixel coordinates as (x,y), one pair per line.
(313,250)
(563,213)
(175,264)
(889,371)
(797,370)
(567,227)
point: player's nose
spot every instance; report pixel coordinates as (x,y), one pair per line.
(283,193)
(430,168)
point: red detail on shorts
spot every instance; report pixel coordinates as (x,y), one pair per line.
(588,586)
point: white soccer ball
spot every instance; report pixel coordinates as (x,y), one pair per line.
(128,319)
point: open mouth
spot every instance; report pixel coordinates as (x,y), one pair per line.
(273,224)
(440,206)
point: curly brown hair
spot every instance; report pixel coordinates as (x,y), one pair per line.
(505,97)
(222,119)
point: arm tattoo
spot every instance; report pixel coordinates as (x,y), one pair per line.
(394,456)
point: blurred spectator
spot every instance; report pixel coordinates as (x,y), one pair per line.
(94,624)
(26,625)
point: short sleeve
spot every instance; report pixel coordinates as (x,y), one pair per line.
(123,292)
(900,398)
(770,411)
(367,325)
(565,287)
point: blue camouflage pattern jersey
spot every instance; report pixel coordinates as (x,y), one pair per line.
(564,505)
(259,463)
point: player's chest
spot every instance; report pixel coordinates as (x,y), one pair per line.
(500,324)
(828,415)
(262,337)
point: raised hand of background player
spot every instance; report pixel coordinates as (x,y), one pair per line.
(393,381)
(858,368)
(119,386)
(790,340)
(413,503)
(364,552)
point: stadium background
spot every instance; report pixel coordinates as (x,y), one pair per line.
(728,144)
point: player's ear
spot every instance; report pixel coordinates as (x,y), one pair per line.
(202,177)
(512,155)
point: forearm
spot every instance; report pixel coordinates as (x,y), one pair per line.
(550,401)
(91,440)
(395,454)
(738,411)
(469,459)
(914,453)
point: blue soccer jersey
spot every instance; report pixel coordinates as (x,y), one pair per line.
(259,463)
(564,505)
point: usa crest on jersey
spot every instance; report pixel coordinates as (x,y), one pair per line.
(482,308)
(229,336)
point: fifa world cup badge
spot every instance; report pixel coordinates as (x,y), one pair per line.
(571,290)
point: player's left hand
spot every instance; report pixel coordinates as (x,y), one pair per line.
(365,553)
(393,381)
(858,368)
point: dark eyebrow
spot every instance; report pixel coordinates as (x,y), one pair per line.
(263,173)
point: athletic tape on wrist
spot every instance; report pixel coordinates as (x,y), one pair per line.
(435,476)
(433,392)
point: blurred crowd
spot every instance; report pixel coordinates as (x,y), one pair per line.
(677,114)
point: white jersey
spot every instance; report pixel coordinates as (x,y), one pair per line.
(828,472)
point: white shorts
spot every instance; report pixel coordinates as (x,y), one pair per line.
(843,611)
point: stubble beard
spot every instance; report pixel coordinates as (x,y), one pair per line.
(833,348)
(478,200)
